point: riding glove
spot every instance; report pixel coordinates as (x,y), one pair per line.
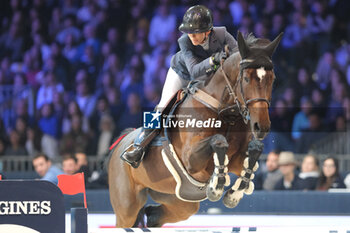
(217,57)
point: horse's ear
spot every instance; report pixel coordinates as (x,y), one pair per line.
(273,45)
(242,45)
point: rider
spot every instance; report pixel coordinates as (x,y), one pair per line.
(201,50)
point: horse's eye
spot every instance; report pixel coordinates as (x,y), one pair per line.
(246,79)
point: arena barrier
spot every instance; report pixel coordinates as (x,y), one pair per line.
(31,206)
(226,230)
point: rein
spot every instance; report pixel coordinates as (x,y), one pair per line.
(215,105)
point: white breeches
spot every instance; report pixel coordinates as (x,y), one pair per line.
(173,83)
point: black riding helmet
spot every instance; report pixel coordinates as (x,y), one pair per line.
(197,19)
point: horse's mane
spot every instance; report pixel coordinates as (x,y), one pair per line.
(254,41)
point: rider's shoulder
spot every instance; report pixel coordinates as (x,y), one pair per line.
(184,41)
(220,31)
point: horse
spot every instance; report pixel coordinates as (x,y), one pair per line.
(238,94)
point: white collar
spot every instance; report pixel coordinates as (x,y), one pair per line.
(205,45)
(304,175)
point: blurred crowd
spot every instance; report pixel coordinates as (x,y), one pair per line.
(283,172)
(74,73)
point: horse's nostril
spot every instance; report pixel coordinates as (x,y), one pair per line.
(256,127)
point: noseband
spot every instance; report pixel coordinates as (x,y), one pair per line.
(242,107)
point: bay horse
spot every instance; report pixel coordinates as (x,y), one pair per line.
(242,84)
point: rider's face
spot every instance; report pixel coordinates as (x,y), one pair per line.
(198,38)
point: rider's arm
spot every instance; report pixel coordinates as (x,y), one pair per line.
(230,41)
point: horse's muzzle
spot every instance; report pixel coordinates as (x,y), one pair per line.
(260,132)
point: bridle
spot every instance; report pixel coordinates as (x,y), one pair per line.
(242,107)
(238,106)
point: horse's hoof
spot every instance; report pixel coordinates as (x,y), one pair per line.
(231,199)
(214,195)
(153,213)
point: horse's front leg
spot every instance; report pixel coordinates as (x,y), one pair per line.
(220,177)
(244,182)
(216,147)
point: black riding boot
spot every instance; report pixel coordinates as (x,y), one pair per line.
(135,153)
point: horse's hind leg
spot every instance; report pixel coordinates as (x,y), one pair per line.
(244,183)
(126,198)
(170,210)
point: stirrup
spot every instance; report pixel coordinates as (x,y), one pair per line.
(134,164)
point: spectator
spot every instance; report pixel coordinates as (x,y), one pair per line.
(50,127)
(48,121)
(21,91)
(272,174)
(309,172)
(347,181)
(33,142)
(104,83)
(59,65)
(2,146)
(22,111)
(287,165)
(70,50)
(162,25)
(58,106)
(320,25)
(101,109)
(238,9)
(21,129)
(12,42)
(106,135)
(83,165)
(73,109)
(69,25)
(133,81)
(115,105)
(132,117)
(346,107)
(15,147)
(301,121)
(113,66)
(84,99)
(90,39)
(32,63)
(278,25)
(305,84)
(311,135)
(88,61)
(45,169)
(281,122)
(47,90)
(76,139)
(295,38)
(323,70)
(115,42)
(330,177)
(40,49)
(70,164)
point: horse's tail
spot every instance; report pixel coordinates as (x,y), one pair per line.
(114,145)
